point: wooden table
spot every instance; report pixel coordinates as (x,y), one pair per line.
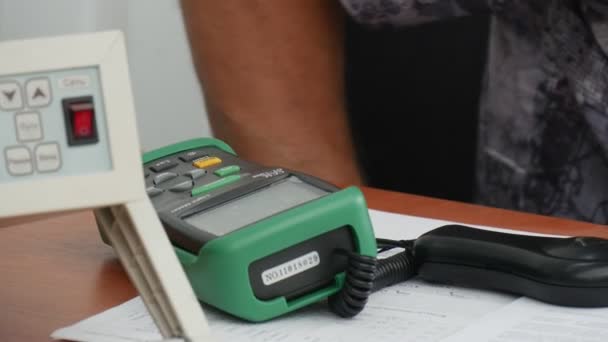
(57,271)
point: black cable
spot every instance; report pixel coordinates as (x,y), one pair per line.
(365,274)
(358,285)
(394,243)
(394,269)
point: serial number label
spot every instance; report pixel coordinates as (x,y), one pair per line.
(290,268)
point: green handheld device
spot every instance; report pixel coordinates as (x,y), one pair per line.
(255,241)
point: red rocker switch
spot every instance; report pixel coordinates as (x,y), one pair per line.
(80,121)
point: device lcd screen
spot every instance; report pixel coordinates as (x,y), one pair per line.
(258,205)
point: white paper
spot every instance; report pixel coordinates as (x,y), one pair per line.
(411,311)
(529,320)
(403,227)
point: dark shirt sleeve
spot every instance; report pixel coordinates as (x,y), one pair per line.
(413,12)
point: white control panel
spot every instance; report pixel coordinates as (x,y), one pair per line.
(53,124)
(68,136)
(68,140)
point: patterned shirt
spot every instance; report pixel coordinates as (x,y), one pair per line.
(543,131)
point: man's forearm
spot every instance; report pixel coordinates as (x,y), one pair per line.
(272,73)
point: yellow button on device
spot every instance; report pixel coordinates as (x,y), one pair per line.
(205,162)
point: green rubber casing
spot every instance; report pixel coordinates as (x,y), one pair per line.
(219,272)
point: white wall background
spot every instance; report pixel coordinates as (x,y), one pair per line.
(168,98)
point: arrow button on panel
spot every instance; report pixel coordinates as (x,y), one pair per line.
(10,96)
(38,92)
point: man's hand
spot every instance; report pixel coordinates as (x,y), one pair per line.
(272,73)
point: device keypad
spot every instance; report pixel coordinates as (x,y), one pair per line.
(22,159)
(181,177)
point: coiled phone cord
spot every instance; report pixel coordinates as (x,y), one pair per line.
(365,275)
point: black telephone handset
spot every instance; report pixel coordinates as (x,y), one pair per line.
(563,271)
